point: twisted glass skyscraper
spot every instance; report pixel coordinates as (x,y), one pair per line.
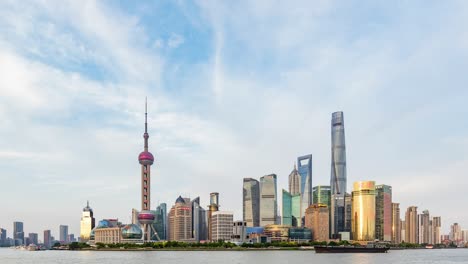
(338,174)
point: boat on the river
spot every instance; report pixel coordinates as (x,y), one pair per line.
(350,249)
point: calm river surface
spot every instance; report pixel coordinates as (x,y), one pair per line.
(10,256)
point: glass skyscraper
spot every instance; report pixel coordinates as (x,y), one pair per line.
(321,194)
(363,211)
(338,174)
(18,233)
(305,171)
(251,202)
(291,208)
(268,202)
(383,207)
(160,225)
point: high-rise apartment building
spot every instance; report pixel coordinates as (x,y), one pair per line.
(436,225)
(383,207)
(294,182)
(403,230)
(222,223)
(317,219)
(304,164)
(63,234)
(411,225)
(180,220)
(268,200)
(396,228)
(424,228)
(18,233)
(455,233)
(251,202)
(338,174)
(87,223)
(33,238)
(47,241)
(213,207)
(363,211)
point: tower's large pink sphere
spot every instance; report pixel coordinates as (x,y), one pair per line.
(146,217)
(146,158)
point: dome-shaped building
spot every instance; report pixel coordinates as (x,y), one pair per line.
(180,200)
(132,231)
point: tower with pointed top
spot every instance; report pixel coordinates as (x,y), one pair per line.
(146,159)
(87,222)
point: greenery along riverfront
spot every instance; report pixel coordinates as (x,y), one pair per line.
(222,245)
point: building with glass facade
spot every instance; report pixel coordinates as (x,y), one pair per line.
(47,241)
(304,164)
(338,174)
(18,233)
(383,217)
(363,208)
(268,200)
(317,219)
(291,209)
(160,224)
(300,234)
(251,202)
(396,225)
(199,224)
(277,232)
(411,225)
(321,194)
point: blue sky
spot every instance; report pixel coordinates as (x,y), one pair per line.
(235,89)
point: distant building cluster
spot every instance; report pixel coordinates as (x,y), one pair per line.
(308,212)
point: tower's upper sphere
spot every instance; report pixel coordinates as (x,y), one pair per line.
(146,217)
(146,158)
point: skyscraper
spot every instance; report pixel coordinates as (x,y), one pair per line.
(383,206)
(213,207)
(304,164)
(321,194)
(436,223)
(199,225)
(87,223)
(316,218)
(338,174)
(221,228)
(396,228)
(161,221)
(286,208)
(424,229)
(294,182)
(47,239)
(251,202)
(180,220)
(63,234)
(3,237)
(363,216)
(455,233)
(146,159)
(268,200)
(33,238)
(18,233)
(411,222)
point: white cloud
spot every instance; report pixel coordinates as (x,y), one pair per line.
(175,40)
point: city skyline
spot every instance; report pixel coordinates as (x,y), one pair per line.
(226,95)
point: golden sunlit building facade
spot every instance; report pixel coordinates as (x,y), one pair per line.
(363,211)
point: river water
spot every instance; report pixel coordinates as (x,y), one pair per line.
(434,256)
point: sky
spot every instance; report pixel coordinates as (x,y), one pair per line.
(235,89)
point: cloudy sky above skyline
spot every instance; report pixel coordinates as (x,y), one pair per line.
(235,89)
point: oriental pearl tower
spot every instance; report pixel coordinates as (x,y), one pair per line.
(146,159)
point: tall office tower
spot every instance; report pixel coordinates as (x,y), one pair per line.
(33,238)
(436,223)
(403,230)
(251,202)
(47,241)
(199,228)
(213,207)
(161,221)
(268,200)
(63,234)
(455,233)
(363,211)
(396,228)
(348,212)
(221,227)
(87,223)
(411,222)
(180,220)
(321,194)
(304,164)
(338,174)
(3,237)
(18,233)
(291,208)
(423,227)
(317,219)
(294,182)
(383,206)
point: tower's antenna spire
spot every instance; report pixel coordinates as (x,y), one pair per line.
(146,136)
